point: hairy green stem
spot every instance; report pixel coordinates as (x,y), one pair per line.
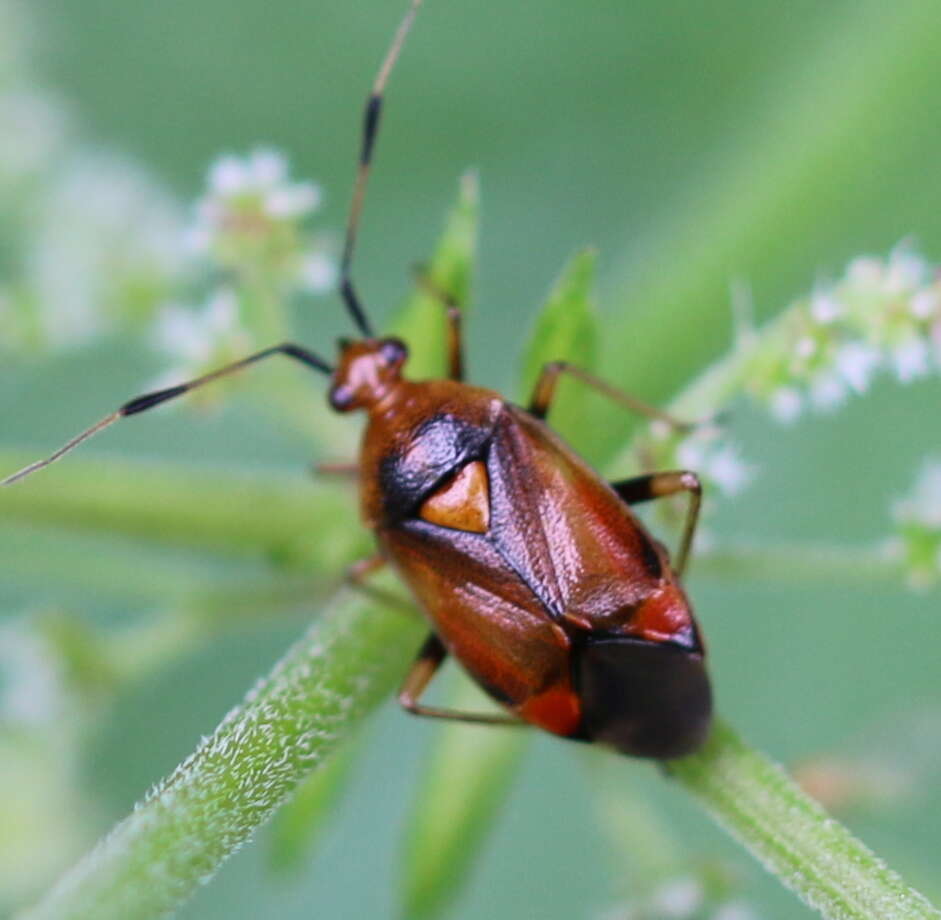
(792,836)
(212,803)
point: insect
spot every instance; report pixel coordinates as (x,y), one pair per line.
(532,571)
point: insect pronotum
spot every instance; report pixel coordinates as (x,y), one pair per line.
(531,569)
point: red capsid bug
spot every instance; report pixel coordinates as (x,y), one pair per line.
(532,570)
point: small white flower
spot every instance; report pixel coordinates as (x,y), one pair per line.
(690,454)
(249,200)
(865,271)
(266,167)
(734,910)
(827,391)
(228,175)
(194,336)
(906,270)
(679,898)
(318,273)
(924,504)
(786,404)
(291,201)
(856,362)
(728,470)
(925,303)
(805,347)
(825,308)
(104,231)
(910,359)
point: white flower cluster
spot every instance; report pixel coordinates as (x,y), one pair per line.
(250,220)
(249,226)
(715,459)
(916,544)
(882,315)
(95,240)
(103,247)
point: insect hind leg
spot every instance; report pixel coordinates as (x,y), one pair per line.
(661,485)
(430,657)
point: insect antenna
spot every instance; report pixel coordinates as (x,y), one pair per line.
(155,398)
(371,117)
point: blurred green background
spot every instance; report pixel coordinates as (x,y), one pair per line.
(695,144)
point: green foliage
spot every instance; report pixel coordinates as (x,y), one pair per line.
(468,776)
(288,725)
(292,721)
(792,835)
(565,330)
(422,320)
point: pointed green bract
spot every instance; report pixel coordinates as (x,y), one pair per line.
(421,323)
(565,330)
(468,776)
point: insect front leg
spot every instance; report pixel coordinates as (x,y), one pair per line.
(544,392)
(430,657)
(660,485)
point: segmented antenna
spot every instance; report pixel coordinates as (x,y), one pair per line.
(149,400)
(371,116)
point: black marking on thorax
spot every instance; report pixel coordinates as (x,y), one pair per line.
(437,449)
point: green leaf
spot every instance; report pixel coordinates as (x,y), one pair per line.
(287,726)
(421,322)
(465,783)
(565,330)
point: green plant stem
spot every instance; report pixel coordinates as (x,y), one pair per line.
(210,805)
(792,836)
(283,518)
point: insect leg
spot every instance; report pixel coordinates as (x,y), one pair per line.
(371,117)
(453,314)
(544,391)
(149,400)
(430,657)
(357,574)
(660,485)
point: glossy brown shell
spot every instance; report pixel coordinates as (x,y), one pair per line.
(565,610)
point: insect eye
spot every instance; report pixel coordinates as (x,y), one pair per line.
(394,351)
(463,502)
(341,397)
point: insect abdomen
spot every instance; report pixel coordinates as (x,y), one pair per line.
(647,699)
